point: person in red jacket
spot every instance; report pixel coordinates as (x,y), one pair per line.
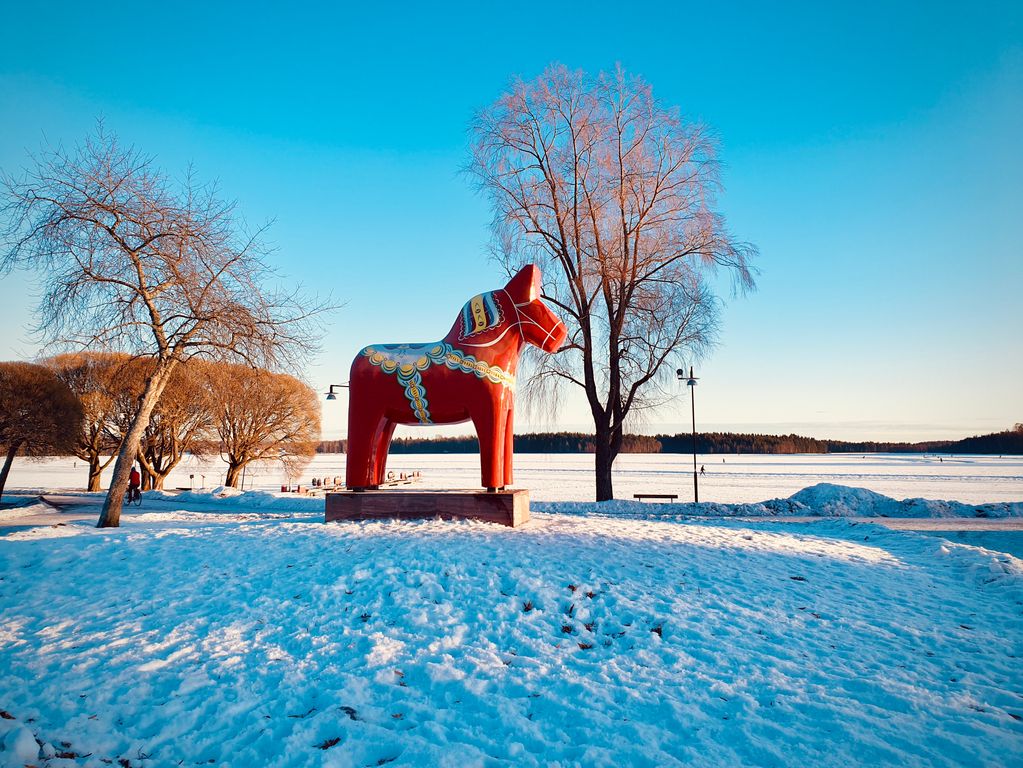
(133,484)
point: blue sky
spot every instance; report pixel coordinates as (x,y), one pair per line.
(871,152)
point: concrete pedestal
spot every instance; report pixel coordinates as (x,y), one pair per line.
(505,507)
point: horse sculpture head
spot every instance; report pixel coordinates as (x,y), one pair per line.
(469,375)
(510,316)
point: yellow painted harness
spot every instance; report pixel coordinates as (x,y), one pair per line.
(408,361)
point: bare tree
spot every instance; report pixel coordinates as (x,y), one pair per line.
(263,416)
(613,194)
(95,379)
(131,261)
(39,415)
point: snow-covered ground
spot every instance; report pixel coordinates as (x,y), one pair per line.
(236,629)
(569,477)
(238,639)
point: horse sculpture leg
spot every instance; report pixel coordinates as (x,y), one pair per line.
(383,444)
(509,448)
(490,430)
(366,428)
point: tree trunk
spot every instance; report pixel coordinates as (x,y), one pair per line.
(110,516)
(603,460)
(160,475)
(234,472)
(95,473)
(148,480)
(7,465)
(149,468)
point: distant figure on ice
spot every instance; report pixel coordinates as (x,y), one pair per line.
(703,470)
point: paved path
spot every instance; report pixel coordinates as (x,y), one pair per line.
(64,501)
(57,510)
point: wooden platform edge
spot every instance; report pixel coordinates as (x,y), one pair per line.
(509,508)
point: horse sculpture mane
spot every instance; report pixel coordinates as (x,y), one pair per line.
(469,375)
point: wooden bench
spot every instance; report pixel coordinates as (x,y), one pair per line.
(669,496)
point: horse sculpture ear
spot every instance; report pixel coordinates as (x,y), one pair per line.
(525,286)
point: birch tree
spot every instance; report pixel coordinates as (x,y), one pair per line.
(130,260)
(612,193)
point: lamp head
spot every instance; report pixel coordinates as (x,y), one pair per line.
(331,395)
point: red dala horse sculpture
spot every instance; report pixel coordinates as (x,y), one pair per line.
(469,375)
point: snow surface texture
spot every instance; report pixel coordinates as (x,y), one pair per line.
(569,477)
(230,639)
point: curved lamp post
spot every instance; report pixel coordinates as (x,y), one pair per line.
(331,394)
(691,383)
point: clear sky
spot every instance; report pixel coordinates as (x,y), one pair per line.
(872,151)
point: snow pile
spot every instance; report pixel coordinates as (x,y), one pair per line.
(821,500)
(830,500)
(571,641)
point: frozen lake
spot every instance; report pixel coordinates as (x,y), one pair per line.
(569,477)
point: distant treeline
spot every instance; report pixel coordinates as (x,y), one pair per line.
(1008,442)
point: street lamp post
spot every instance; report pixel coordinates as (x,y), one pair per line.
(331,394)
(691,383)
